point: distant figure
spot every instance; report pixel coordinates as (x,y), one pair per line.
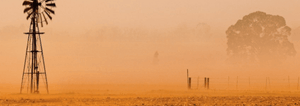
(155,59)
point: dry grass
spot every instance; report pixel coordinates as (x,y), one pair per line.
(158,98)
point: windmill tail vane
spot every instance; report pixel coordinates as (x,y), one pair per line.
(34,70)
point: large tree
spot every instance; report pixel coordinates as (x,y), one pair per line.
(259,37)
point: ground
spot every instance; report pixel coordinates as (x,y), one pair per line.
(157,98)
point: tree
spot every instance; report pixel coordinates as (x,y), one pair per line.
(259,37)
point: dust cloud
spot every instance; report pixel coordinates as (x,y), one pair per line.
(114,57)
(131,50)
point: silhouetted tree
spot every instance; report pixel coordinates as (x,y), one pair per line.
(259,37)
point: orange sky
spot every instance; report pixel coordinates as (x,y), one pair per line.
(81,15)
(76,51)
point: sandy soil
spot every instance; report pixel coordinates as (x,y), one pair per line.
(158,98)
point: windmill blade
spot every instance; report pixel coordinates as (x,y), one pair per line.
(37,19)
(27,9)
(49,10)
(27,3)
(29,15)
(45,18)
(49,0)
(51,5)
(41,18)
(48,15)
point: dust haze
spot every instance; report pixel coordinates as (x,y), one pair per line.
(110,44)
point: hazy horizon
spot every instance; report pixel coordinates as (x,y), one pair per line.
(114,42)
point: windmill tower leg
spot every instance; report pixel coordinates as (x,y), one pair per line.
(34,65)
(43,60)
(26,53)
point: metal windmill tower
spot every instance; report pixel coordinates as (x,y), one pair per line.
(34,65)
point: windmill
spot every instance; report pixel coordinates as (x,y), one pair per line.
(34,66)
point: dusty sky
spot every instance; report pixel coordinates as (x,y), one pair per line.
(79,15)
(78,51)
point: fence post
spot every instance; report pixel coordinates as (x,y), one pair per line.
(269,82)
(266,83)
(207,83)
(237,81)
(204,82)
(190,83)
(298,84)
(198,82)
(289,82)
(228,83)
(187,78)
(249,82)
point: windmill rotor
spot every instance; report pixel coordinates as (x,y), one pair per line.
(38,8)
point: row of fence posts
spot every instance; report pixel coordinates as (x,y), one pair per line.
(189,82)
(206,82)
(268,82)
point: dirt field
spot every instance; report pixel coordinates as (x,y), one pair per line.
(158,98)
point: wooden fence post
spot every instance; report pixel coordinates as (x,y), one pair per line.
(207,83)
(298,84)
(190,82)
(269,82)
(187,77)
(266,83)
(249,83)
(204,82)
(289,82)
(228,83)
(198,82)
(237,81)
